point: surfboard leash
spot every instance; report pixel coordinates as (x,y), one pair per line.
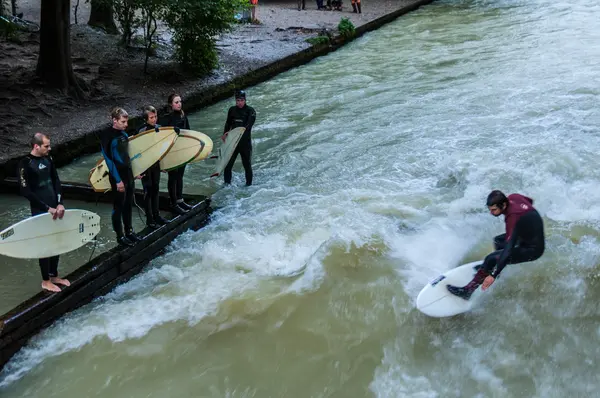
(96,237)
(139,209)
(93,248)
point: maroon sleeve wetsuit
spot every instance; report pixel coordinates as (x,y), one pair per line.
(524,236)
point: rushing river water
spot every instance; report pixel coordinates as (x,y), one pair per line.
(371,170)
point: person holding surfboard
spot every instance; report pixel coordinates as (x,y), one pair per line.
(178,120)
(114,146)
(39,183)
(240,115)
(523,241)
(151,178)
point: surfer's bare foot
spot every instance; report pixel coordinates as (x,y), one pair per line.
(60,281)
(47,285)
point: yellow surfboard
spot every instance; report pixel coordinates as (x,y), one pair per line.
(208,144)
(227,149)
(183,151)
(144,149)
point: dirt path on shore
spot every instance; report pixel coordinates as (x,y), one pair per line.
(114,74)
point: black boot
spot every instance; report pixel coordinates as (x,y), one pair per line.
(462,292)
(160,220)
(359,10)
(150,223)
(177,210)
(132,236)
(466,291)
(354,10)
(184,205)
(123,241)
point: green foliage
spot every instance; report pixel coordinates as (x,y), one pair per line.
(195,25)
(318,40)
(151,10)
(346,28)
(8,30)
(125,13)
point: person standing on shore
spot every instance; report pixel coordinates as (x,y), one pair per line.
(39,183)
(114,145)
(356,6)
(253,5)
(301,5)
(178,120)
(240,115)
(151,178)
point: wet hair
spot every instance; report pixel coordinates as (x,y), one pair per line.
(147,110)
(38,139)
(170,101)
(497,198)
(240,94)
(118,113)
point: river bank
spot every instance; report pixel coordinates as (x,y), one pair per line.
(247,55)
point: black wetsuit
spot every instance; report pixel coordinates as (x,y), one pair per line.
(114,149)
(150,182)
(241,117)
(175,182)
(39,183)
(526,243)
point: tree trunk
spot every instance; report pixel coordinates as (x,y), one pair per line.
(101,16)
(54,65)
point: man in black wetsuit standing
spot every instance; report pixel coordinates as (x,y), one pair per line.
(240,115)
(39,183)
(114,144)
(523,241)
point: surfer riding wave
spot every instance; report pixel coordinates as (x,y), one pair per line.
(523,241)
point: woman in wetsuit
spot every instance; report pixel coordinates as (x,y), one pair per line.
(177,119)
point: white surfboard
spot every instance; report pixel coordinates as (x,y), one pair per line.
(183,151)
(40,236)
(144,149)
(208,144)
(227,148)
(436,301)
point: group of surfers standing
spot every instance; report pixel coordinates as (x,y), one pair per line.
(40,184)
(114,141)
